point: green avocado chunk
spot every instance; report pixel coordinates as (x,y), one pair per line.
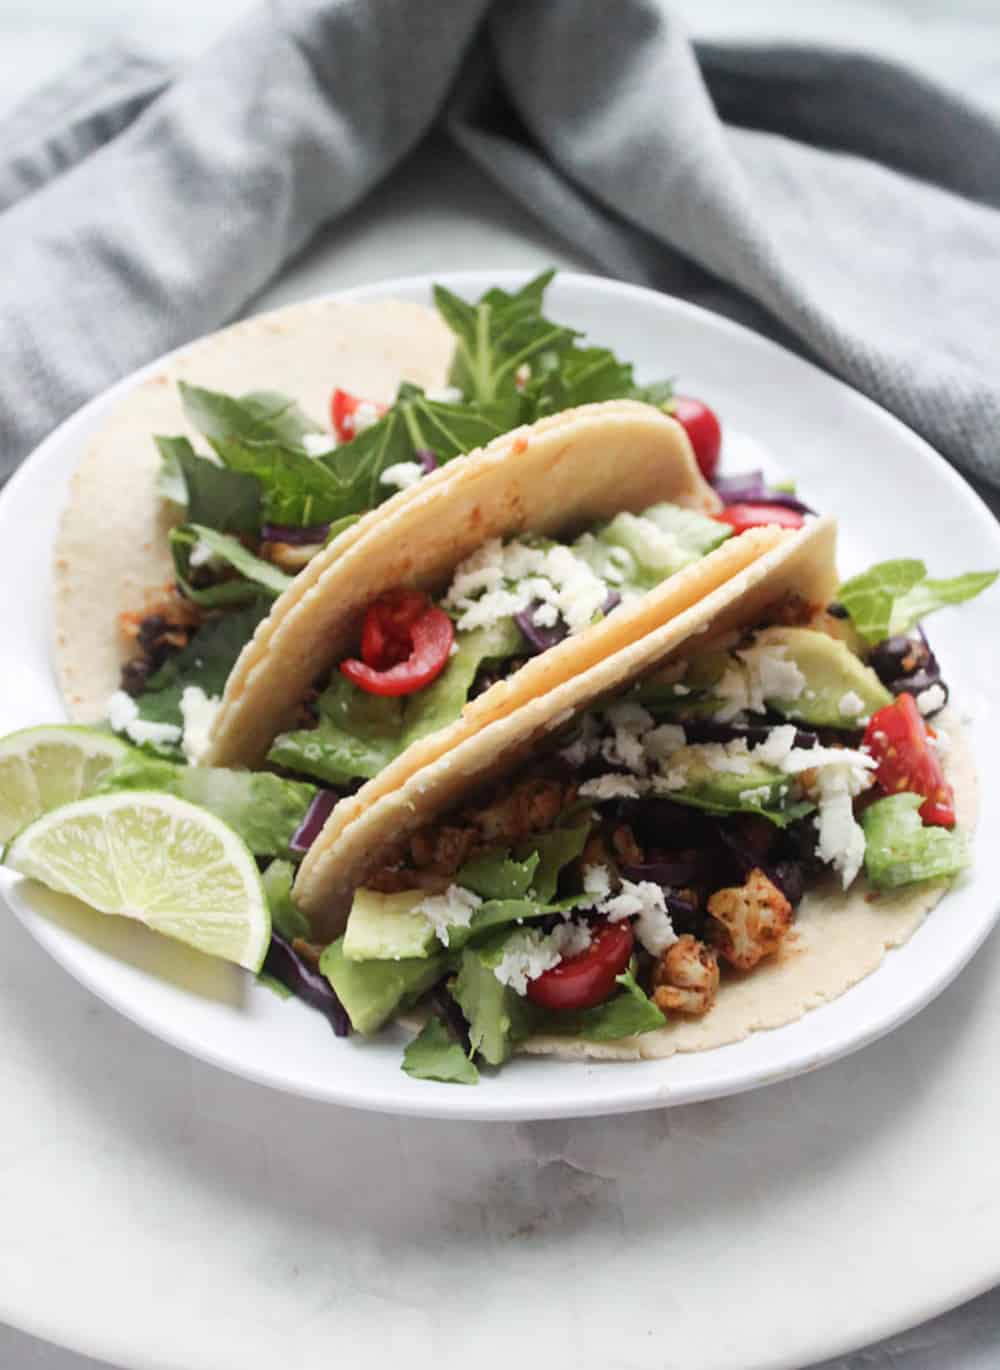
(759,789)
(373,991)
(387,927)
(840,690)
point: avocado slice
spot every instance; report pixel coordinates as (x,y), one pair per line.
(373,991)
(759,789)
(387,927)
(836,680)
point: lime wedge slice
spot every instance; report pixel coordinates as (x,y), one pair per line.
(153,857)
(41,768)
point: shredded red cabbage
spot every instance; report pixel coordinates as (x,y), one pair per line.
(750,488)
(296,537)
(427,458)
(311,826)
(306,983)
(541,639)
(669,874)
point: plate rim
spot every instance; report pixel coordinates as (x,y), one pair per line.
(437,1101)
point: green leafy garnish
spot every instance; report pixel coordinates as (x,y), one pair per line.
(891,597)
(212,496)
(255,575)
(555,850)
(206,661)
(494,874)
(626,1014)
(261,416)
(497,1017)
(295,488)
(286,917)
(435,1055)
(900,849)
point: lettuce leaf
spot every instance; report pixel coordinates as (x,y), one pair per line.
(893,596)
(286,917)
(359,733)
(256,576)
(900,849)
(435,1055)
(626,1014)
(493,874)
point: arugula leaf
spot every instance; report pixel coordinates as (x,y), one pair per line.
(555,850)
(435,1055)
(494,338)
(261,416)
(359,733)
(586,375)
(295,488)
(214,497)
(626,1014)
(286,917)
(256,576)
(891,597)
(206,661)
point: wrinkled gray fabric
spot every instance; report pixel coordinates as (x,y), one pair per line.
(844,205)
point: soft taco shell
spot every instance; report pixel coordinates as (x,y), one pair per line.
(838,938)
(554,476)
(357,840)
(112,544)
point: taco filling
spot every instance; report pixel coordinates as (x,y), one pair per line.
(663,847)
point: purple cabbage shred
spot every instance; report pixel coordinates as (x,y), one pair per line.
(285,964)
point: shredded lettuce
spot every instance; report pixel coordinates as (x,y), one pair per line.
(435,1055)
(286,917)
(497,1017)
(893,596)
(626,1014)
(900,849)
(359,733)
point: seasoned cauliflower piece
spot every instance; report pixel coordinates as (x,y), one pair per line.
(750,920)
(686,978)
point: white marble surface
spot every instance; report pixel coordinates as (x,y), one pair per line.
(166,1206)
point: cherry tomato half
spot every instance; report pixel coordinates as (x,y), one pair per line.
(898,739)
(588,979)
(386,636)
(342,408)
(702,428)
(411,636)
(740,517)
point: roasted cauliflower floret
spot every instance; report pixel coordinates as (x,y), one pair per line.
(750,920)
(686,979)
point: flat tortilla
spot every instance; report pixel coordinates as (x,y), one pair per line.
(112,544)
(838,938)
(356,838)
(554,476)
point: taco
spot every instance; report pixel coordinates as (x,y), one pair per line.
(705,833)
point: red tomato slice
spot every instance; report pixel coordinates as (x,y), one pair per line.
(740,517)
(898,739)
(386,637)
(342,407)
(703,430)
(588,979)
(429,635)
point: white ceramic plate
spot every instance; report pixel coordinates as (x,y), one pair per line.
(894,497)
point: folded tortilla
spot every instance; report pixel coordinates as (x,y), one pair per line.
(112,547)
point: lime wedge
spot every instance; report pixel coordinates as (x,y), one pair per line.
(153,857)
(41,768)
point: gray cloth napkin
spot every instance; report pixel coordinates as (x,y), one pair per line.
(841,204)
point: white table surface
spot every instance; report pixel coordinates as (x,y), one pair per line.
(168,1197)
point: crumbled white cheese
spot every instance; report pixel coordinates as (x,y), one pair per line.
(611,787)
(630,722)
(453,909)
(731,758)
(401,476)
(318,444)
(586,746)
(646,903)
(763,673)
(365,416)
(530,953)
(545,616)
(801,759)
(201,554)
(674,778)
(522,375)
(499,580)
(760,795)
(198,711)
(777,746)
(123,715)
(841,838)
(597,881)
(931,699)
(851,704)
(444,394)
